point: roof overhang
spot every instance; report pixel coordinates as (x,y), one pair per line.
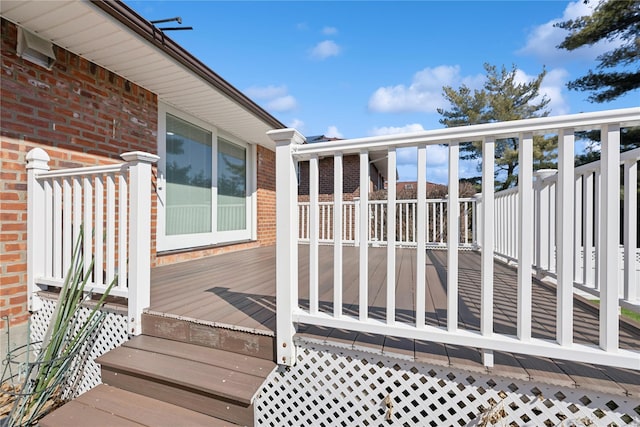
(379,160)
(112,35)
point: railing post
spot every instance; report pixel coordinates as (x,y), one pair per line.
(631,285)
(609,237)
(139,268)
(564,237)
(364,235)
(37,162)
(476,221)
(525,235)
(356,222)
(453,232)
(286,242)
(486,225)
(542,241)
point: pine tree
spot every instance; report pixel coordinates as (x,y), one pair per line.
(502,98)
(618,71)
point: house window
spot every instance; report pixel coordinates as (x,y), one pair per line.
(188,178)
(232,186)
(204,184)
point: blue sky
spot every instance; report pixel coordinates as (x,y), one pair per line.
(361,68)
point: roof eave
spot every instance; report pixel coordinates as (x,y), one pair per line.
(128,17)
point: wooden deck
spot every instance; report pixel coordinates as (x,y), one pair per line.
(237,290)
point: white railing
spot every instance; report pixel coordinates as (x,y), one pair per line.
(290,149)
(406,222)
(112,204)
(586,224)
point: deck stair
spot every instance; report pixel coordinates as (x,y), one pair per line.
(164,377)
(110,406)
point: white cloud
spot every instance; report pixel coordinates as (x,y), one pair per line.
(297,124)
(437,155)
(325,49)
(407,158)
(543,39)
(329,31)
(553,86)
(302,26)
(333,132)
(282,103)
(437,163)
(266,92)
(391,130)
(274,98)
(424,94)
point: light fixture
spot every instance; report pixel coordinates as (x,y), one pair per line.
(35,49)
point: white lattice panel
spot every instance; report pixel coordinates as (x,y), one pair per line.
(335,387)
(112,334)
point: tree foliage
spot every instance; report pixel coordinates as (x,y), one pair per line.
(618,71)
(502,98)
(629,140)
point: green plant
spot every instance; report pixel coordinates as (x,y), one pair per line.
(62,351)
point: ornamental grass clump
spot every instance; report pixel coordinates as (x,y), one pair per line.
(44,383)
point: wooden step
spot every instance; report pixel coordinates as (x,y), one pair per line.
(209,335)
(202,379)
(109,406)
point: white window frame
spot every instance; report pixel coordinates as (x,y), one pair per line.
(166,242)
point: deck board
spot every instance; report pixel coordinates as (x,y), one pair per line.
(238,289)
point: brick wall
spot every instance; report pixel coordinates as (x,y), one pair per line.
(266,196)
(350,178)
(77,105)
(81,114)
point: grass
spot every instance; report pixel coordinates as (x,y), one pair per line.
(625,312)
(631,314)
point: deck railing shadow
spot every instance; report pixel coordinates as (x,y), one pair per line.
(261,308)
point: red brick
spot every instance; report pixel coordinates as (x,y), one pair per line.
(17,268)
(20,299)
(10,280)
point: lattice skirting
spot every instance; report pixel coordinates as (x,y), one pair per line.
(112,334)
(336,387)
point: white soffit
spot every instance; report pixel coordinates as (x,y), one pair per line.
(82,28)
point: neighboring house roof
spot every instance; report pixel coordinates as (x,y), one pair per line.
(320,138)
(114,36)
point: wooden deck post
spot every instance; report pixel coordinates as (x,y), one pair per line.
(286,242)
(37,161)
(139,236)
